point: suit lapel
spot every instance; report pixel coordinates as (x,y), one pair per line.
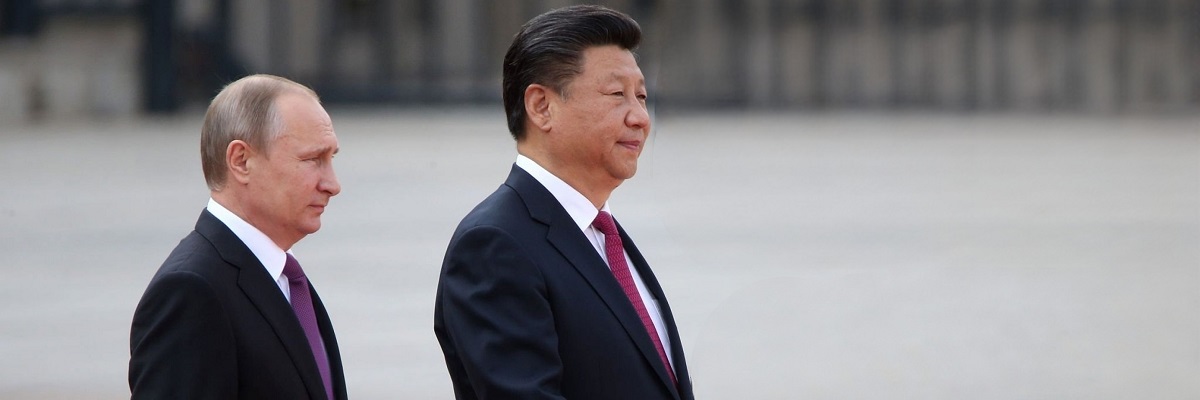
(676,346)
(331,346)
(565,236)
(264,294)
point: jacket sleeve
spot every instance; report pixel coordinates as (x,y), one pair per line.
(181,342)
(498,317)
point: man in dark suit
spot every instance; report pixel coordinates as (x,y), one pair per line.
(230,313)
(542,295)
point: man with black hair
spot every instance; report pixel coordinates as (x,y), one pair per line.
(542,295)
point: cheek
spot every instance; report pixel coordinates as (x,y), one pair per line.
(309,180)
(287,186)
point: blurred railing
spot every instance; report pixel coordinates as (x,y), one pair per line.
(72,58)
(1058,55)
(1087,55)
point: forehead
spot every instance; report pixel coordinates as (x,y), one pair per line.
(299,111)
(304,121)
(610,62)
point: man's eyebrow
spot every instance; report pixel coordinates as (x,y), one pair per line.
(620,76)
(322,150)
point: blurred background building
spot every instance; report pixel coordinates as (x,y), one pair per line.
(121,57)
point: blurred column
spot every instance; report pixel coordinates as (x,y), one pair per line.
(713,79)
(357,57)
(843,76)
(818,11)
(982,50)
(1028,44)
(925,16)
(1062,22)
(759,58)
(893,20)
(972,15)
(1002,14)
(306,22)
(385,44)
(1178,68)
(17,25)
(872,41)
(15,77)
(1147,77)
(797,47)
(1191,33)
(1098,72)
(1123,19)
(506,20)
(653,16)
(250,34)
(738,63)
(910,48)
(1052,49)
(159,57)
(279,37)
(1074,14)
(676,54)
(228,64)
(408,54)
(18,18)
(457,31)
(946,31)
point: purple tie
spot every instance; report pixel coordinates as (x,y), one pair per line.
(620,270)
(302,305)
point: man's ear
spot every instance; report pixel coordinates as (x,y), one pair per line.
(237,159)
(537,105)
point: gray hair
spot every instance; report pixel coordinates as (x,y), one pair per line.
(244,110)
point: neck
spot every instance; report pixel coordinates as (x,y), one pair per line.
(230,200)
(595,190)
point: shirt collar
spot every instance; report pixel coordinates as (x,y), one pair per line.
(578,207)
(268,253)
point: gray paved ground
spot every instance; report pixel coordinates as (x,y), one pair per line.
(849,256)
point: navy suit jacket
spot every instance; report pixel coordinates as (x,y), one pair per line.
(213,324)
(527,309)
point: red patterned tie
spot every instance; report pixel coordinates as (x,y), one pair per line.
(303,306)
(620,269)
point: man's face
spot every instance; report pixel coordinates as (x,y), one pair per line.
(291,185)
(601,125)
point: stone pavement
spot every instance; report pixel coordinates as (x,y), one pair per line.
(819,256)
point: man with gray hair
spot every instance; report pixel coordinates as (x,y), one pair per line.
(230,313)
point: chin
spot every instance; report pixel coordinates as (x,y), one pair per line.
(311,228)
(628,172)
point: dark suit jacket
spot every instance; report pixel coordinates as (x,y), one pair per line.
(213,324)
(527,309)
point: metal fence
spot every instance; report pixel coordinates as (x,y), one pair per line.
(1089,55)
(1073,55)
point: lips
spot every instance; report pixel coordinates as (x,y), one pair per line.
(631,144)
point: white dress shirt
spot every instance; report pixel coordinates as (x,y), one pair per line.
(583,213)
(268,253)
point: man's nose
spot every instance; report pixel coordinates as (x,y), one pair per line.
(329,182)
(638,117)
